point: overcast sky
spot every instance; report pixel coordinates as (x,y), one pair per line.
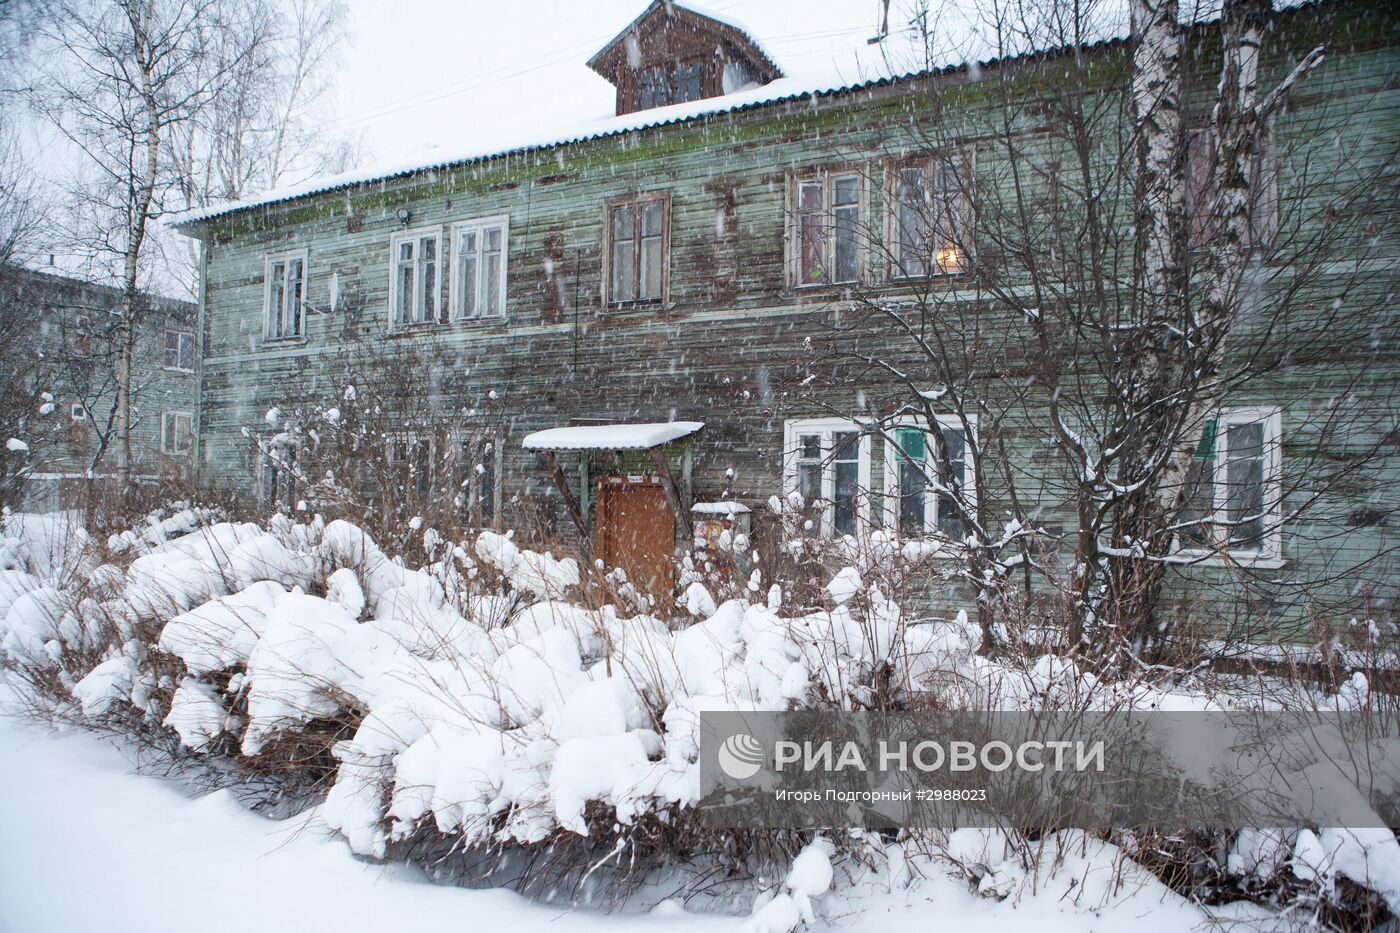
(448,73)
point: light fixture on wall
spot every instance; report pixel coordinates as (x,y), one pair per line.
(405,215)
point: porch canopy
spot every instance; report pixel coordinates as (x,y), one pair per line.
(611,436)
(649,436)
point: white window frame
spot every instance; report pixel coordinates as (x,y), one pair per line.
(77,411)
(826,178)
(413,317)
(181,336)
(170,432)
(1270,552)
(892,485)
(929,164)
(456,295)
(286,257)
(827,428)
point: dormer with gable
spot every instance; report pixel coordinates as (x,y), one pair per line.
(672,54)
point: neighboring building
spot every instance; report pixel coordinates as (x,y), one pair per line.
(72,335)
(652,285)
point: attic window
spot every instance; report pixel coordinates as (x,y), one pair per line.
(670,84)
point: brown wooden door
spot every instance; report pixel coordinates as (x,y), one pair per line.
(637,532)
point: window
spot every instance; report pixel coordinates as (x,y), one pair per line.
(279,473)
(77,411)
(825,229)
(286,288)
(922,481)
(414,285)
(179,350)
(1202,173)
(82,336)
(1233,499)
(477,478)
(931,216)
(479,268)
(670,84)
(828,463)
(412,459)
(176,432)
(638,246)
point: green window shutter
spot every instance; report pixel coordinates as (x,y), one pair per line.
(1206,449)
(911,442)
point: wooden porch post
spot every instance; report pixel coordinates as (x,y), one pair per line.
(560,480)
(663,468)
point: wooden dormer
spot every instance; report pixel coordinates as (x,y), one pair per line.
(671,55)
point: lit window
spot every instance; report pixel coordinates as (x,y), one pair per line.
(179,350)
(828,463)
(176,432)
(479,268)
(826,229)
(414,289)
(286,288)
(932,217)
(1233,498)
(925,483)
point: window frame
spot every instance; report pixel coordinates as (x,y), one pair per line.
(636,200)
(469,485)
(827,428)
(1270,551)
(479,226)
(182,334)
(670,73)
(1264,213)
(403,466)
(286,258)
(169,424)
(77,411)
(415,236)
(892,489)
(826,176)
(927,163)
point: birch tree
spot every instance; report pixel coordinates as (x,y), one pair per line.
(1083,305)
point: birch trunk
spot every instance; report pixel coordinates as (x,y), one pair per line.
(1240,130)
(139,16)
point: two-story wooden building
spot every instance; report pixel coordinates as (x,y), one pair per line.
(66,330)
(647,312)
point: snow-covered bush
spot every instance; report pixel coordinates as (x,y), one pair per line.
(488,702)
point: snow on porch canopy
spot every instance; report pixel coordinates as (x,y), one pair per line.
(611,436)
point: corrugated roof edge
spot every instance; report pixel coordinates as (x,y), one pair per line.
(197,216)
(187,220)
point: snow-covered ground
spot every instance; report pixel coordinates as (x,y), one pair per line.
(86,844)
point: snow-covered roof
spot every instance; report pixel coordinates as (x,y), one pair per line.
(775,92)
(723,20)
(782,90)
(611,436)
(727,507)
